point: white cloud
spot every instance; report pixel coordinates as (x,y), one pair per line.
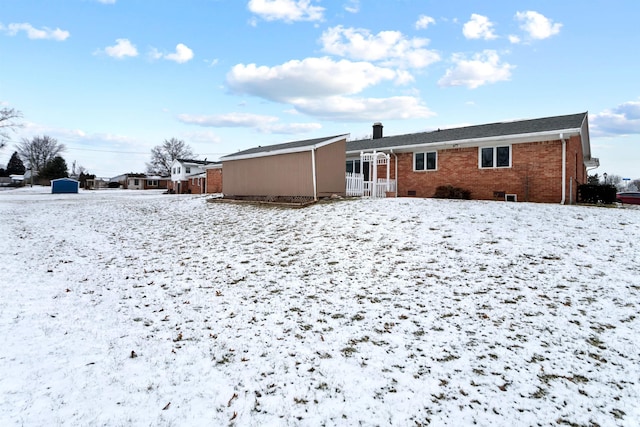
(536,25)
(286,10)
(352,6)
(121,49)
(36,34)
(390,47)
(340,108)
(154,53)
(181,55)
(621,120)
(260,123)
(107,1)
(479,27)
(309,78)
(320,87)
(483,68)
(514,39)
(424,21)
(228,120)
(203,136)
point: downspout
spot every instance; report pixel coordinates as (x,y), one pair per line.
(313,172)
(564,168)
(396,169)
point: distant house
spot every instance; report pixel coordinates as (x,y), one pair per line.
(538,160)
(189,176)
(64,185)
(300,170)
(141,181)
(17,179)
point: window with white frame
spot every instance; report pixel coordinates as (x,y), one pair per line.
(495,157)
(425,161)
(152,183)
(353,166)
(187,169)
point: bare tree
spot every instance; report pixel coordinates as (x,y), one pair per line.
(77,170)
(164,154)
(39,151)
(8,117)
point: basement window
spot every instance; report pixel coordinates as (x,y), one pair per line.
(425,161)
(495,157)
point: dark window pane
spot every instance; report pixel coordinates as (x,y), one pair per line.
(431,161)
(487,157)
(350,166)
(419,166)
(502,156)
(356,164)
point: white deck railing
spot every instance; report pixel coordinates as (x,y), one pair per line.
(357,186)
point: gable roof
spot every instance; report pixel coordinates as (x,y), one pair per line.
(193,162)
(572,122)
(285,148)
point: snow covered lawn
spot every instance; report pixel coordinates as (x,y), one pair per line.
(137,308)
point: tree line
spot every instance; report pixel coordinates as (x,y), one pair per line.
(42,155)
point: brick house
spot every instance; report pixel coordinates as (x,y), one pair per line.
(189,176)
(141,181)
(538,160)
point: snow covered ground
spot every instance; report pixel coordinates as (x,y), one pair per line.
(138,308)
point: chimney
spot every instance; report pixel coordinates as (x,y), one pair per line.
(377,130)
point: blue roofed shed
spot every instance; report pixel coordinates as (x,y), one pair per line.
(64,185)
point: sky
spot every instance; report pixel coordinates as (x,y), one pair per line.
(111,79)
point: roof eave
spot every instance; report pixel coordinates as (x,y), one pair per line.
(471,142)
(285,151)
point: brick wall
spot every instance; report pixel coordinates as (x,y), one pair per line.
(214,180)
(196,185)
(535,174)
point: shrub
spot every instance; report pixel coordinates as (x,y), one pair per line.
(596,193)
(451,192)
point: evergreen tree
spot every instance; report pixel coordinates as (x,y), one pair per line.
(15,165)
(56,168)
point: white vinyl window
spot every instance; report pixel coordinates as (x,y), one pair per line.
(494,157)
(353,166)
(425,161)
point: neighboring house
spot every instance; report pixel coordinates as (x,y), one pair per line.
(141,181)
(16,179)
(300,170)
(188,176)
(64,185)
(156,182)
(135,181)
(539,160)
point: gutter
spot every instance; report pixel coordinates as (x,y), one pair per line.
(313,172)
(396,169)
(564,169)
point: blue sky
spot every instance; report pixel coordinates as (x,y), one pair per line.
(112,78)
